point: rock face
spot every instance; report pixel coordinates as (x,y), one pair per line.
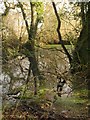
(51,61)
(52,58)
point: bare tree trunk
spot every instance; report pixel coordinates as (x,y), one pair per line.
(59,34)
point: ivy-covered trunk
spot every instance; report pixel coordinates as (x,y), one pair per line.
(80,66)
(88,76)
(80,53)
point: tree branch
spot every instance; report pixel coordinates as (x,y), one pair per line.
(7,8)
(24,17)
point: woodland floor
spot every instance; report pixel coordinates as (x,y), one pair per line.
(63,108)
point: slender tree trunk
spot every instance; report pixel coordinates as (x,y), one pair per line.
(29,72)
(59,34)
(35,85)
(30,45)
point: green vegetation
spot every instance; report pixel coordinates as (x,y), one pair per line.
(35,65)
